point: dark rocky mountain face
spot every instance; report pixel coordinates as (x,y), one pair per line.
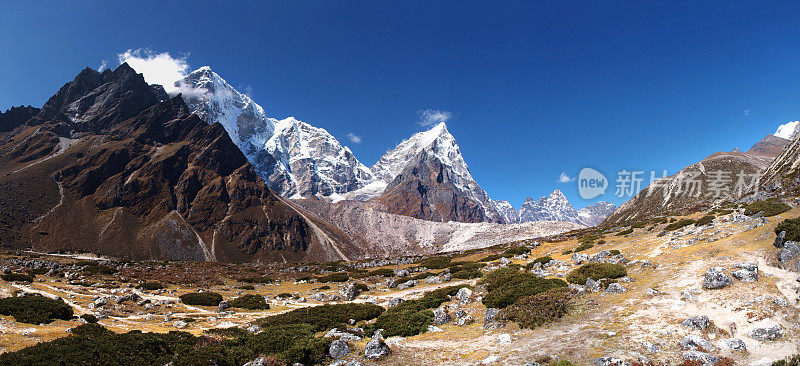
(425,190)
(16,116)
(108,167)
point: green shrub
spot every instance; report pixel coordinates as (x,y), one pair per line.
(614,252)
(490,257)
(361,287)
(510,252)
(596,271)
(533,311)
(323,288)
(38,271)
(588,239)
(93,344)
(334,277)
(601,241)
(421,276)
(583,247)
(91,319)
(383,272)
(793,360)
(17,277)
(284,295)
(99,269)
(201,298)
(506,286)
(770,207)
(705,220)
(679,224)
(435,263)
(403,323)
(625,232)
(324,317)
(791,227)
(541,260)
(151,286)
(246,287)
(723,212)
(35,309)
(256,279)
(567,252)
(250,302)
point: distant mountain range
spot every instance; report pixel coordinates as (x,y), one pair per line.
(424,176)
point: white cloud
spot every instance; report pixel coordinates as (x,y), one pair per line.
(157,68)
(746,112)
(564,178)
(353,138)
(787,130)
(431,117)
(103,66)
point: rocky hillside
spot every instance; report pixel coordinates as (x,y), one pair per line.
(110,159)
(16,116)
(691,189)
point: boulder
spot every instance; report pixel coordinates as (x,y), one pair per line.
(464,295)
(592,285)
(440,316)
(261,361)
(750,266)
(460,313)
(349,292)
(705,358)
(339,349)
(401,272)
(650,347)
(504,339)
(615,288)
(609,361)
(434,329)
(780,239)
(465,320)
(223,305)
(407,285)
(745,275)
(180,324)
(735,344)
(579,258)
(394,302)
(789,251)
(699,322)
(769,333)
(715,278)
(376,347)
(689,295)
(693,342)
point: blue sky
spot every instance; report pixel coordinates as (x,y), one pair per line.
(533,89)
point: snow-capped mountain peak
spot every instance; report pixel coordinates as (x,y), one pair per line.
(554,207)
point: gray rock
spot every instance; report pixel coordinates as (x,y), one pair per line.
(406,285)
(697,322)
(705,358)
(592,285)
(491,315)
(715,278)
(464,295)
(789,251)
(767,333)
(735,344)
(401,272)
(223,305)
(650,347)
(376,347)
(689,295)
(579,258)
(745,275)
(780,302)
(780,239)
(693,342)
(609,361)
(615,288)
(752,267)
(180,324)
(394,302)
(349,292)
(434,329)
(532,363)
(465,320)
(460,313)
(440,316)
(261,361)
(339,349)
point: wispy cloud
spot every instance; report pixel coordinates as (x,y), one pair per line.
(746,112)
(564,178)
(103,66)
(431,117)
(354,138)
(157,68)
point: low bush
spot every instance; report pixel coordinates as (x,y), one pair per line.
(541,260)
(246,287)
(625,232)
(201,298)
(35,309)
(38,271)
(583,247)
(535,310)
(413,317)
(614,251)
(596,271)
(256,279)
(250,302)
(421,276)
(324,317)
(284,295)
(679,224)
(767,208)
(99,269)
(467,274)
(793,360)
(334,277)
(89,318)
(383,272)
(490,257)
(567,252)
(17,277)
(791,227)
(151,286)
(361,287)
(435,263)
(92,344)
(510,252)
(506,286)
(705,220)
